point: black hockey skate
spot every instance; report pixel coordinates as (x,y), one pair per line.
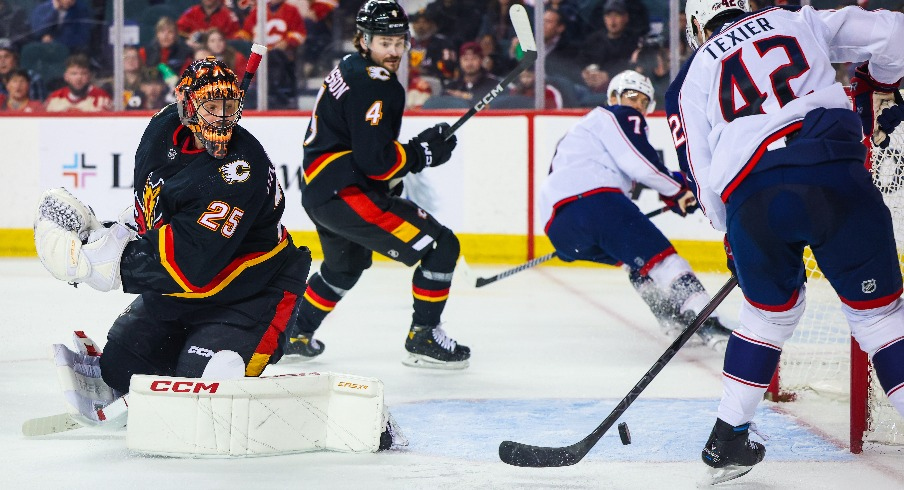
(430,347)
(714,334)
(730,452)
(304,347)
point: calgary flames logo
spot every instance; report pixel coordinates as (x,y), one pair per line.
(378,73)
(147,216)
(237,171)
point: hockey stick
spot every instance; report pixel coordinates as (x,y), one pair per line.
(517,454)
(483,281)
(115,416)
(526,37)
(254,60)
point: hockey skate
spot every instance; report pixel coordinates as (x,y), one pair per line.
(304,347)
(730,453)
(714,334)
(430,347)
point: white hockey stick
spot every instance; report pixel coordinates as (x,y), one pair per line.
(525,35)
(115,416)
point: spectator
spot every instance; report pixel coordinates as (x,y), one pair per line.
(456,19)
(64,21)
(79,94)
(134,72)
(651,60)
(167,48)
(16,98)
(496,21)
(525,86)
(495,61)
(217,46)
(593,91)
(318,20)
(432,54)
(561,58)
(153,93)
(208,14)
(473,81)
(638,17)
(9,63)
(286,32)
(13,24)
(612,48)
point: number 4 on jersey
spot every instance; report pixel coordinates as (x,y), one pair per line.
(374,113)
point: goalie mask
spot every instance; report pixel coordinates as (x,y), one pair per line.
(382,18)
(699,13)
(210,103)
(634,83)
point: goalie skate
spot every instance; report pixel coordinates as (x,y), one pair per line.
(430,347)
(730,453)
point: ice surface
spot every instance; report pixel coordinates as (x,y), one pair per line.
(554,349)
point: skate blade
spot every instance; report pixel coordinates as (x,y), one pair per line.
(730,472)
(422,361)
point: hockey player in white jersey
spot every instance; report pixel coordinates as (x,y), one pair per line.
(589,216)
(774,155)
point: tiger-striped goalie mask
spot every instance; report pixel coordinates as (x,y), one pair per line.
(210,103)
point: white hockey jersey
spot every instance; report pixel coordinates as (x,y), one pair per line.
(607,149)
(752,83)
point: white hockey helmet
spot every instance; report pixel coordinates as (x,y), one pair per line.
(704,11)
(631,80)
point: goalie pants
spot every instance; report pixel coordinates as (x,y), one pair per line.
(359,222)
(180,343)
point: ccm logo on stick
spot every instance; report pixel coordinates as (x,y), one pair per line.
(184,386)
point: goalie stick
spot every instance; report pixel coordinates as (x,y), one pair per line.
(518,454)
(483,281)
(521,23)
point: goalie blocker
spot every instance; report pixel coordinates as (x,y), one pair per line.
(264,416)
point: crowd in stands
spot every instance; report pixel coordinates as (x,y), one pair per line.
(55,55)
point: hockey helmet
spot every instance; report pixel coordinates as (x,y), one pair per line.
(631,80)
(699,13)
(382,18)
(210,103)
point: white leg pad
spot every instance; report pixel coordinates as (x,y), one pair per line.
(255,416)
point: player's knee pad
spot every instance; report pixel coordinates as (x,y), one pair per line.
(339,281)
(444,255)
(118,364)
(876,327)
(773,327)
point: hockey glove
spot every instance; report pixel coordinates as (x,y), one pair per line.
(683,202)
(729,256)
(870,98)
(888,121)
(430,148)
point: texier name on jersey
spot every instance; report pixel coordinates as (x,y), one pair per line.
(732,37)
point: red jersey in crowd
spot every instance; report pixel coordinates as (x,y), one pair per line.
(63,100)
(195,19)
(283,23)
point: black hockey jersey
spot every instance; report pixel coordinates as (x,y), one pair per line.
(209,229)
(352,136)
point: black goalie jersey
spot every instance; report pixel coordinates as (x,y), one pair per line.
(362,99)
(209,229)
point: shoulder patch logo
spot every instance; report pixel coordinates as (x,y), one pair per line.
(237,171)
(378,73)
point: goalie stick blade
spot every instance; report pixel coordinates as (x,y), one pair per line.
(52,424)
(526,456)
(521,23)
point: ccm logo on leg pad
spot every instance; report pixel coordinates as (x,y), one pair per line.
(184,386)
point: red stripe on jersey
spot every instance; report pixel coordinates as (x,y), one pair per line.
(748,167)
(401,158)
(368,210)
(270,340)
(430,293)
(313,297)
(556,206)
(776,308)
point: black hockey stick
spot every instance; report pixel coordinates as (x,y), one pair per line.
(517,454)
(525,36)
(483,281)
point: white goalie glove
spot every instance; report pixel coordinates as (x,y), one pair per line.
(73,245)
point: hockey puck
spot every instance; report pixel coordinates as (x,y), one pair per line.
(624,433)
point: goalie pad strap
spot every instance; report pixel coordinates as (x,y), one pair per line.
(255,416)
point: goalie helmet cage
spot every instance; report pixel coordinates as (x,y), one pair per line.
(821,355)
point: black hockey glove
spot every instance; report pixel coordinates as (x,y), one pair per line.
(430,148)
(868,95)
(729,257)
(888,120)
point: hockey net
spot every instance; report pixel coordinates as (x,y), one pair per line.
(821,360)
